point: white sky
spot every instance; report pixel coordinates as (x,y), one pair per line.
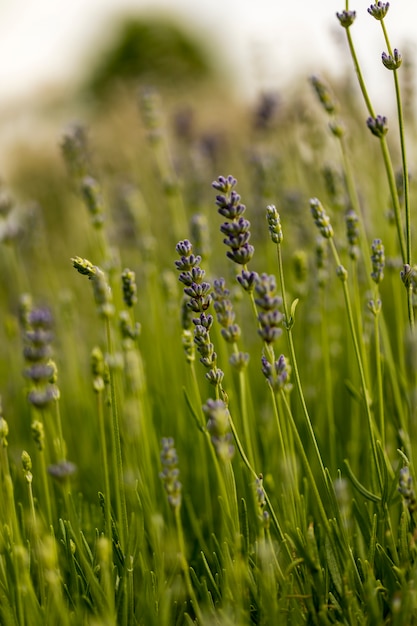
(42,41)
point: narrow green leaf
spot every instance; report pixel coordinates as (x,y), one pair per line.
(358,486)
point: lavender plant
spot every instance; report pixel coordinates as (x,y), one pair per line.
(284,375)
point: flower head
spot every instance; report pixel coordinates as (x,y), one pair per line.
(218,425)
(392,62)
(378,10)
(277,374)
(129,287)
(170,472)
(352,232)
(321,218)
(406,489)
(325,96)
(378,261)
(268,301)
(346,18)
(274,224)
(237,228)
(378,125)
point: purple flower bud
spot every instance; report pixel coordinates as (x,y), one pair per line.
(224,184)
(378,125)
(247,280)
(184,248)
(378,10)
(346,18)
(392,62)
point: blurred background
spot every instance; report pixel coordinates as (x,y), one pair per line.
(68,53)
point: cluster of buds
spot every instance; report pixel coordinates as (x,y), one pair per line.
(247,280)
(378,10)
(199,299)
(170,472)
(392,61)
(329,103)
(74,147)
(101,288)
(267,301)
(409,277)
(27,467)
(237,228)
(352,233)
(378,261)
(192,276)
(261,502)
(225,314)
(208,357)
(129,332)
(325,96)
(149,104)
(37,351)
(92,196)
(218,425)
(278,374)
(274,224)
(334,183)
(406,489)
(378,125)
(99,370)
(129,287)
(321,219)
(346,18)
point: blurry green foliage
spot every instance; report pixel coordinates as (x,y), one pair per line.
(150,50)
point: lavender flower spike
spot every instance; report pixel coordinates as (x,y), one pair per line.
(321,218)
(237,228)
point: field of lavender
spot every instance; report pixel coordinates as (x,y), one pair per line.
(208,370)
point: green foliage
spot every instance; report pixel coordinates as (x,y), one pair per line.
(150,51)
(196,429)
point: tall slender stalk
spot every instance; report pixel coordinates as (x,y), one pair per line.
(366,396)
(288,324)
(117,449)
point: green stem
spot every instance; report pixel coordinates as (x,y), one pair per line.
(45,488)
(244,410)
(379,375)
(384,149)
(185,567)
(103,446)
(37,543)
(288,324)
(307,466)
(407,257)
(7,488)
(117,449)
(394,195)
(405,167)
(327,374)
(61,447)
(360,365)
(359,73)
(255,475)
(349,179)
